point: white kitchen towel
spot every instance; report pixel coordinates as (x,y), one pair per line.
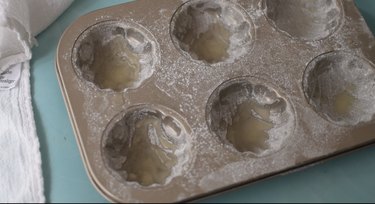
(20,161)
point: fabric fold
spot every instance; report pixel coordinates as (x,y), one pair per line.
(20,161)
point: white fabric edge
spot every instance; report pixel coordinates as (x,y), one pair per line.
(29,130)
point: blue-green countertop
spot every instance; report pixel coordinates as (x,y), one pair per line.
(349,178)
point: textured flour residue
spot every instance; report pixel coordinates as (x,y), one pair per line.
(226,175)
(97,110)
(360,45)
(315,134)
(236,172)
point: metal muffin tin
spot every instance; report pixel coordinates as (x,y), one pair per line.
(302,70)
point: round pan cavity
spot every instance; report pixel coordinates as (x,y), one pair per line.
(304,19)
(115,55)
(211,32)
(250,115)
(147,145)
(341,87)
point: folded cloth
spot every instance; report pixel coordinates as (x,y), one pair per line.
(20,161)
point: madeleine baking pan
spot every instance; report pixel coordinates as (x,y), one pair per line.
(174,100)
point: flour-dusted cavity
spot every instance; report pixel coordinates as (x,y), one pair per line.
(251,116)
(212,31)
(305,19)
(115,55)
(341,87)
(146,145)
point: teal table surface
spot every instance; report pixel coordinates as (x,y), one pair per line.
(348,178)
